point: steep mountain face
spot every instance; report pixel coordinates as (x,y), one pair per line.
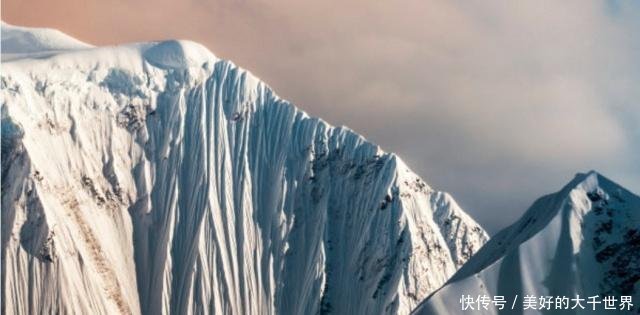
(155,178)
(583,240)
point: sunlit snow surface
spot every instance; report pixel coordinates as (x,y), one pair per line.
(155,178)
(583,240)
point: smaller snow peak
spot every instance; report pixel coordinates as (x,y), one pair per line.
(178,54)
(590,175)
(27,40)
(593,182)
(586,181)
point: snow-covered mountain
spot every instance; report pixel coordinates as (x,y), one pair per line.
(155,178)
(581,241)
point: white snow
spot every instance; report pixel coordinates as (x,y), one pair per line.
(583,240)
(178,54)
(154,178)
(22,41)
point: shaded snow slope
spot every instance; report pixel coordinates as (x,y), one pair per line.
(155,178)
(583,240)
(18,42)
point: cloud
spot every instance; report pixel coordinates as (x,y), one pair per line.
(497,102)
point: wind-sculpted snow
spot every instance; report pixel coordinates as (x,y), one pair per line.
(581,241)
(155,178)
(18,42)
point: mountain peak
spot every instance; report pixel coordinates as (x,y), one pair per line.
(595,186)
(589,177)
(169,181)
(582,240)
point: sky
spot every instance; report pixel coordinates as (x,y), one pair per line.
(496,102)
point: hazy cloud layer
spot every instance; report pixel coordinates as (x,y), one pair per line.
(497,102)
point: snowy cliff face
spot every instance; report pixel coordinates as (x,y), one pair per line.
(583,240)
(155,178)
